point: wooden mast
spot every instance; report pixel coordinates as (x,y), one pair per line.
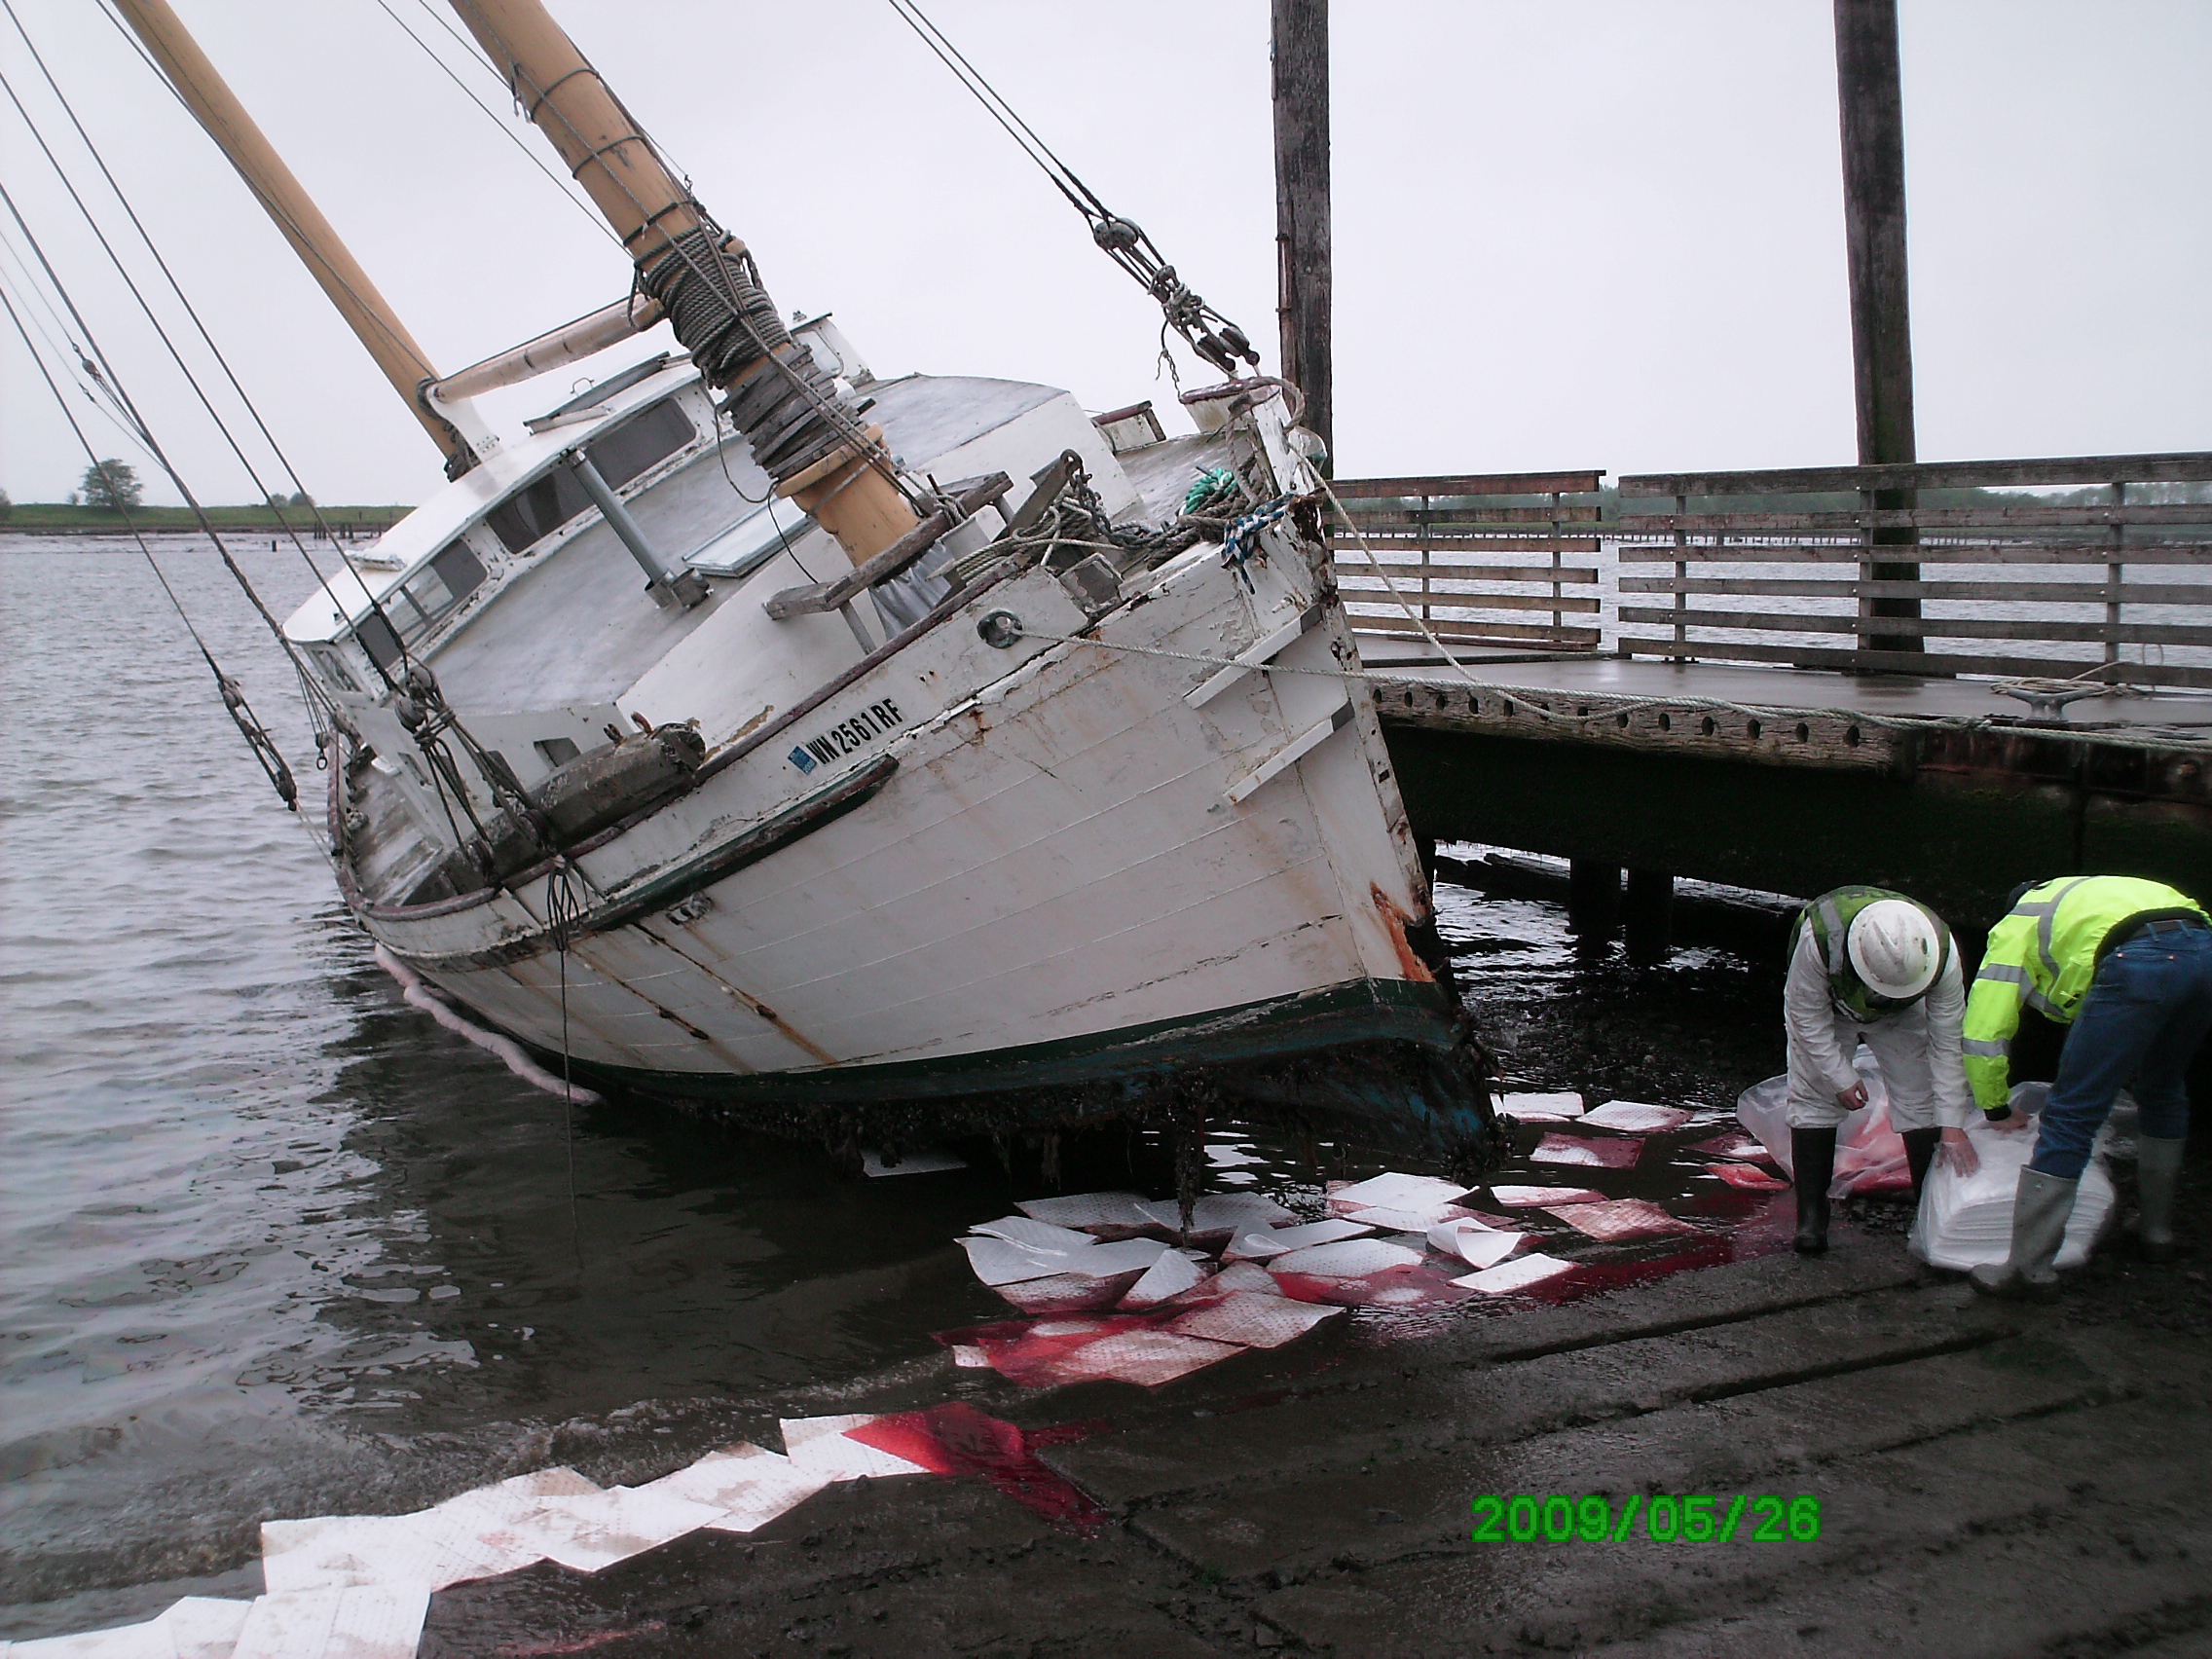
(404,363)
(805,436)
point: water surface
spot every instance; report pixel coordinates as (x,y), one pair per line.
(276,1243)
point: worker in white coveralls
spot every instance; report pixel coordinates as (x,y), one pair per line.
(1869,964)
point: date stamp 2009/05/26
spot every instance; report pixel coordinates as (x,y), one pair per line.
(1664,1520)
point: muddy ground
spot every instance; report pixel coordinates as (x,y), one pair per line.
(1991,1479)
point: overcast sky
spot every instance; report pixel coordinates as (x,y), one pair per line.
(1587,233)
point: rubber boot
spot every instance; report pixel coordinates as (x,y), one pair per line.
(2040,1208)
(2157,1170)
(1812,1164)
(1919,1152)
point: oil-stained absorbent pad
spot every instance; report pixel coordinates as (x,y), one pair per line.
(363,1621)
(1238,1275)
(997,1261)
(1219,1212)
(202,1627)
(1394,1192)
(1620,1219)
(1540,1108)
(1515,1275)
(1634,1117)
(1146,1357)
(1170,1275)
(1033,1234)
(748,1486)
(1251,1320)
(1531,1198)
(819,1446)
(1107,1214)
(197,1627)
(1128,1256)
(1282,1241)
(1346,1258)
(424,1548)
(1475,1244)
(1613,1153)
(1404,1219)
(1746,1176)
(595,1532)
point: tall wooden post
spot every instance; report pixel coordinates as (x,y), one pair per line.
(1871,104)
(1300,82)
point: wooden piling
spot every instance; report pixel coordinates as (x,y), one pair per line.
(1647,913)
(1871,103)
(1592,903)
(1301,87)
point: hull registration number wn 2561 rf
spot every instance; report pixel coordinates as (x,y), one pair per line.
(863,729)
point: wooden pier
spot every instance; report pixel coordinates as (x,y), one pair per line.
(1731,705)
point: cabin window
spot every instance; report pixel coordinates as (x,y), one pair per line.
(453,573)
(378,639)
(632,449)
(459,568)
(333,667)
(533,513)
(556,751)
(642,442)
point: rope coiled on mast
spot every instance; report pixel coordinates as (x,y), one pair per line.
(789,410)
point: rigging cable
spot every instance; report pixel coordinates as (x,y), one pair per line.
(509,133)
(302,243)
(137,294)
(256,735)
(178,288)
(414,682)
(1204,329)
(564,911)
(839,420)
(100,369)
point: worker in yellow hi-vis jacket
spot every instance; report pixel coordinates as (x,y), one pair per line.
(2126,964)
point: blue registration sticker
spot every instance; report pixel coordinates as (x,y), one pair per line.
(804,761)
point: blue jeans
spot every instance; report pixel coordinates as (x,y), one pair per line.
(2148,1008)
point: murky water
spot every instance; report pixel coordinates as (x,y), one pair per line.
(278,1243)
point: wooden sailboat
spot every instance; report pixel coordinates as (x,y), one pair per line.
(700,733)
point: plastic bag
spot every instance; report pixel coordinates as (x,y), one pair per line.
(1869,1154)
(1967,1220)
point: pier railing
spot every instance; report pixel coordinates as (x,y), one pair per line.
(1933,569)
(1500,558)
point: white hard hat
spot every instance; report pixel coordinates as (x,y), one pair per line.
(1894,949)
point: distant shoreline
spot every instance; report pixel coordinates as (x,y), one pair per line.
(38,518)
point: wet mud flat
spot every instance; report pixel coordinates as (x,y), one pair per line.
(1991,1479)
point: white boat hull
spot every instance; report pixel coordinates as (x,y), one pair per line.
(1073,878)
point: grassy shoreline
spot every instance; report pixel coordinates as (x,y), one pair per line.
(51,518)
